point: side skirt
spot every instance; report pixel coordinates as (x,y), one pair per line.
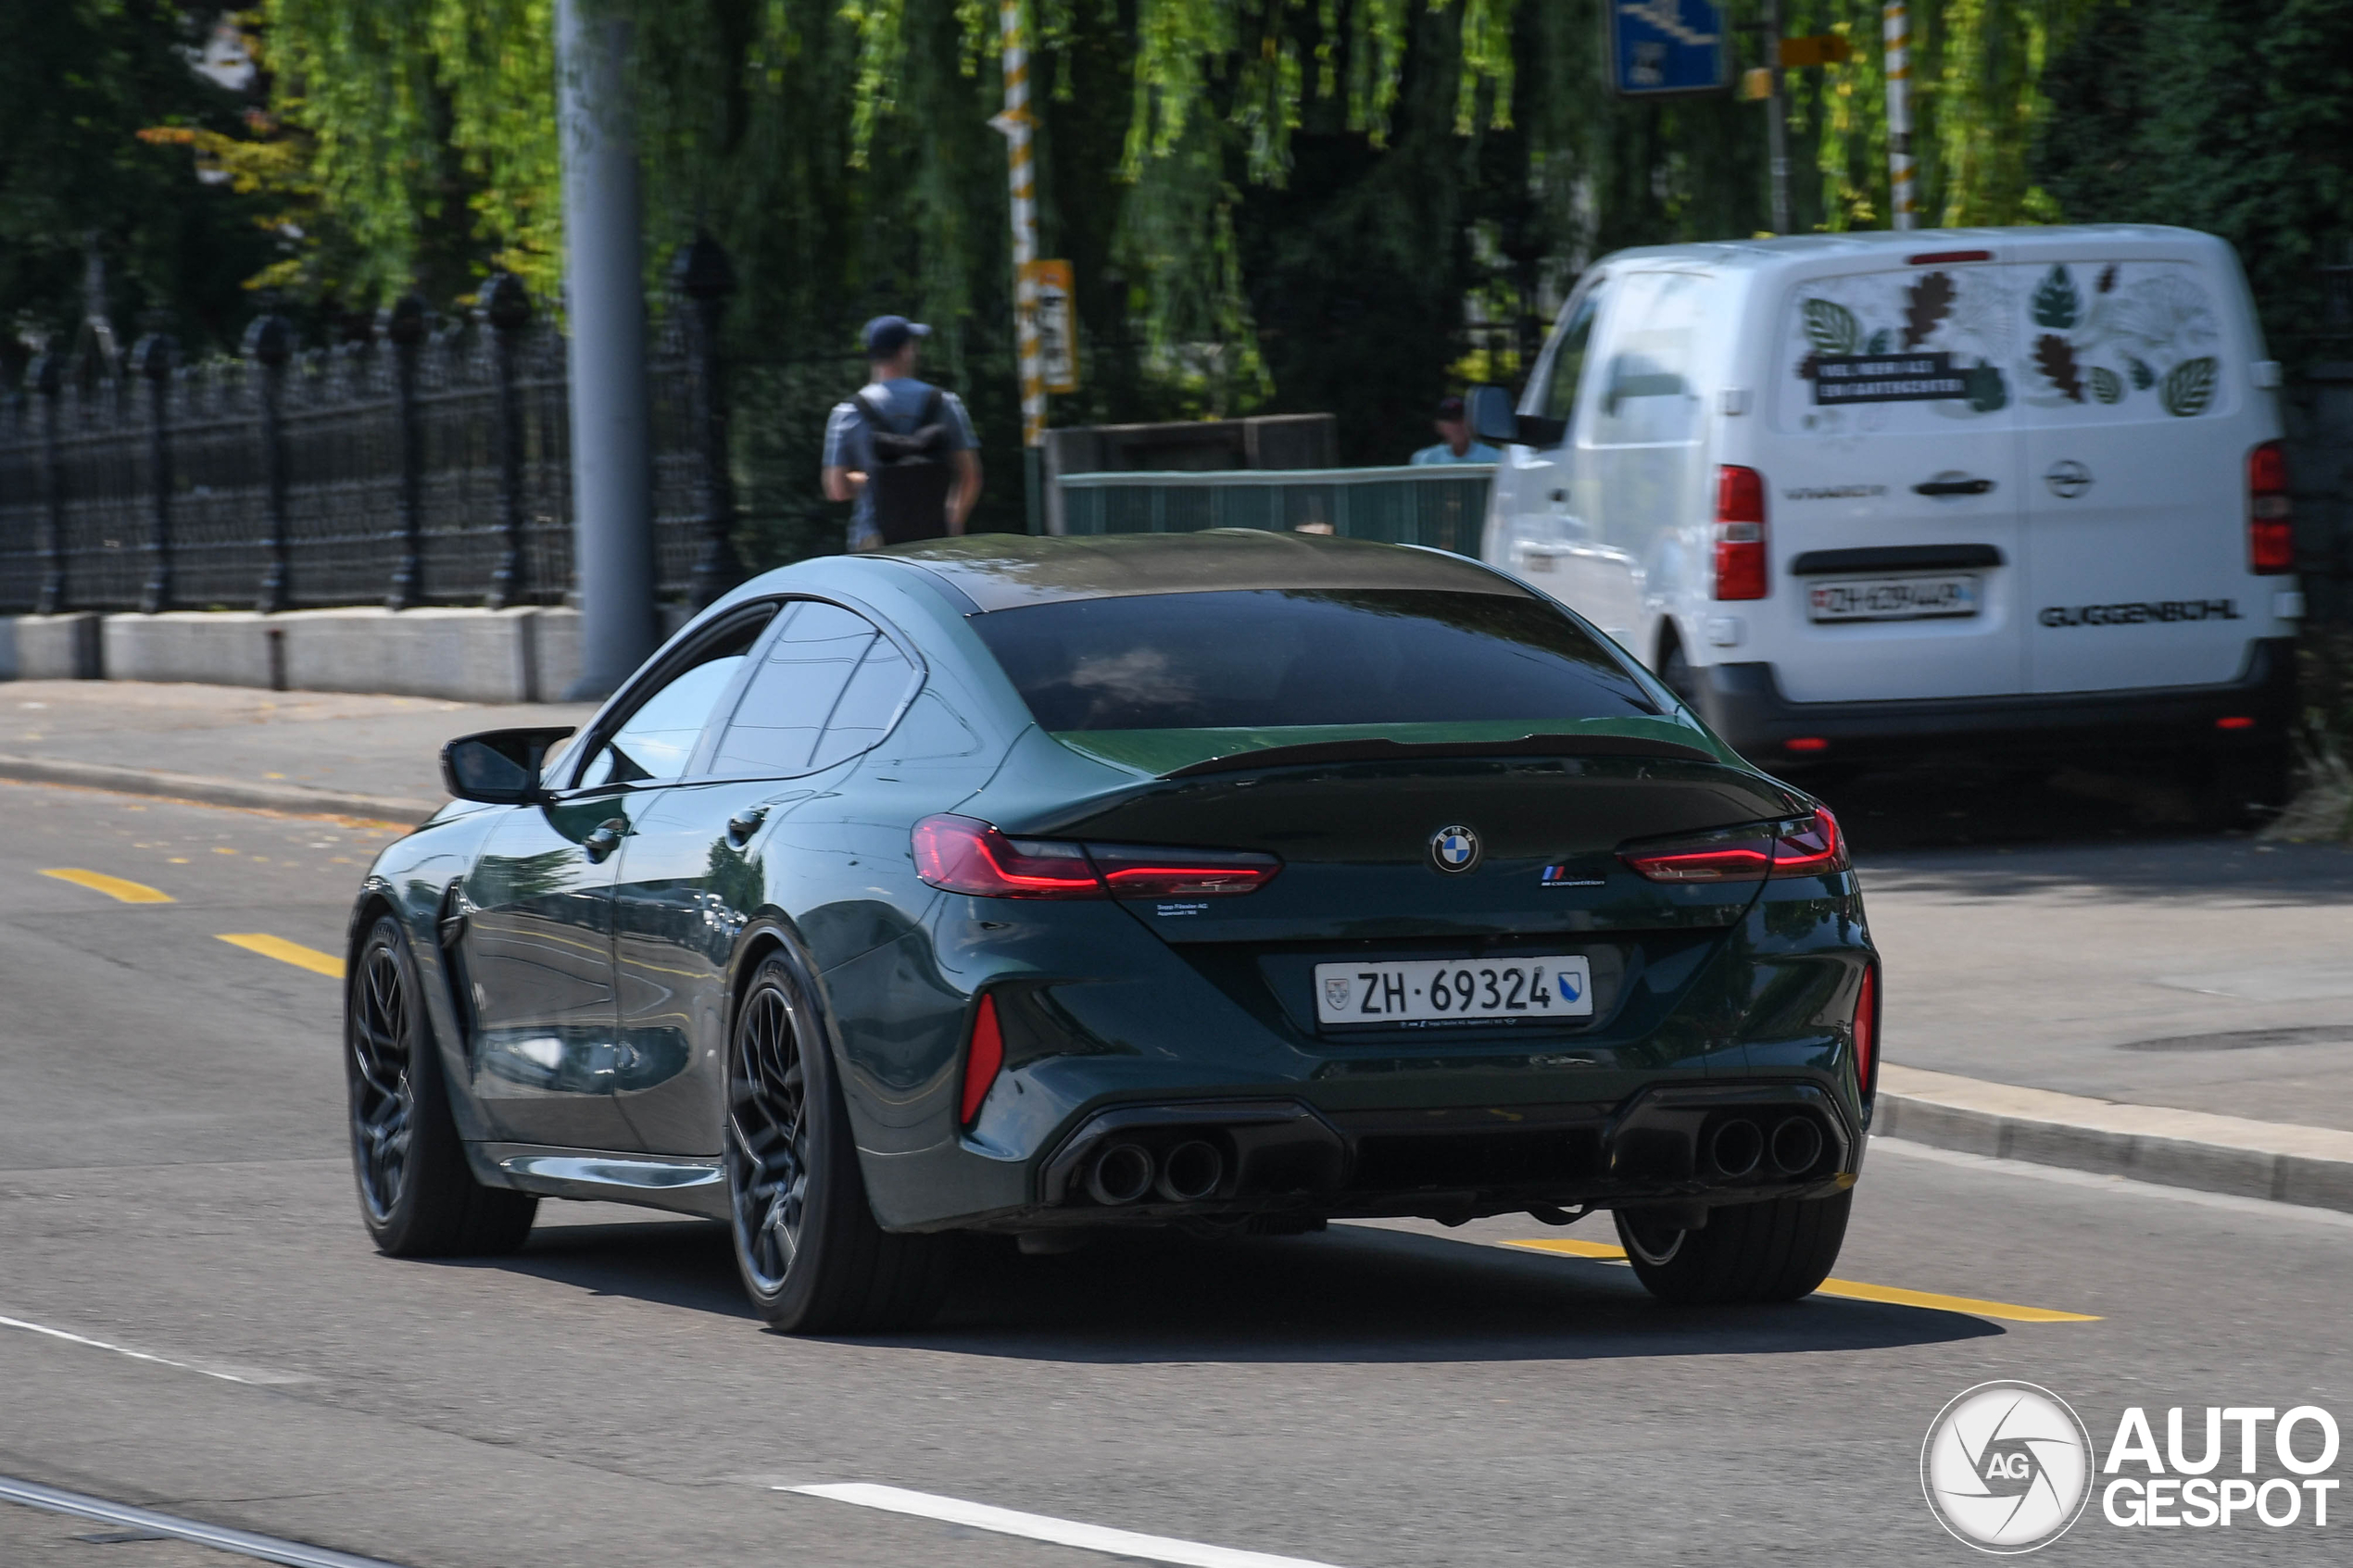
(679,1184)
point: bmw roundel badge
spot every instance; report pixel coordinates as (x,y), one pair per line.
(1454,848)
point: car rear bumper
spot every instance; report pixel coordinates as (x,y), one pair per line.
(1743,703)
(1707,1144)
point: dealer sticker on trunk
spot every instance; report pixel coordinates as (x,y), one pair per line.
(1422,992)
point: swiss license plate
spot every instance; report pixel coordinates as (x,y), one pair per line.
(1892,598)
(1421,991)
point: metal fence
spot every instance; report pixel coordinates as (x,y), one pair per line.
(1443,505)
(408,466)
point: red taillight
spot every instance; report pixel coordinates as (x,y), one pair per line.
(1808,846)
(1137,872)
(1740,534)
(1867,1030)
(2271,523)
(2234,722)
(965,855)
(983,1058)
(1806,743)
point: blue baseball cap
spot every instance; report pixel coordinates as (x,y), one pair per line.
(886,335)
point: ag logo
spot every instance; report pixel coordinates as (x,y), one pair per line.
(2007,1467)
(2068,479)
(1453,849)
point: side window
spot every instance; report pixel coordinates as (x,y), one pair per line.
(1647,389)
(657,739)
(794,693)
(1568,358)
(868,704)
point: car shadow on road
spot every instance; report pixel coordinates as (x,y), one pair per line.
(1353,1293)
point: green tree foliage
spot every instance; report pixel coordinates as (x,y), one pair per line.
(78,80)
(2230,116)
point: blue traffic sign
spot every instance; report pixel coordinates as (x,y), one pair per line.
(1662,46)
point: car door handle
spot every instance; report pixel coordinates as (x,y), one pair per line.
(604,839)
(1953,487)
(744,823)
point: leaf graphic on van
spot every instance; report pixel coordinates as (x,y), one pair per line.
(2056,358)
(1882,340)
(2143,377)
(1987,392)
(1927,303)
(1832,329)
(2107,386)
(2055,303)
(2189,386)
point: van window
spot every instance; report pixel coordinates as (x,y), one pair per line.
(2118,342)
(1647,392)
(1568,358)
(1911,351)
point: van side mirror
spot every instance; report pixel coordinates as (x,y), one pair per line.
(1493,420)
(499,767)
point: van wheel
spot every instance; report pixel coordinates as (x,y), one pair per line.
(1776,1250)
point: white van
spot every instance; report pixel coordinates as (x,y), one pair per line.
(1979,491)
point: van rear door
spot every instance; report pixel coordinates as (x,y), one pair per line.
(1890,457)
(2130,410)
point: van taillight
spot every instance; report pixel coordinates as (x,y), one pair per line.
(1740,534)
(2270,526)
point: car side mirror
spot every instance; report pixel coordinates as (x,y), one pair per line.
(1491,420)
(499,767)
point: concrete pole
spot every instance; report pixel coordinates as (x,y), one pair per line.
(604,289)
(1902,205)
(1016,122)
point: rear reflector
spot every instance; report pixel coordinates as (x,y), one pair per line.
(1946,258)
(1740,534)
(1806,743)
(1867,1030)
(1809,845)
(2234,722)
(965,855)
(2271,523)
(983,1058)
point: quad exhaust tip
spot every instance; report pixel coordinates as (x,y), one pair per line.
(1797,1144)
(1736,1147)
(1190,1172)
(1120,1175)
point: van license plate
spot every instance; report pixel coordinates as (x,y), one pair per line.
(1892,598)
(1424,991)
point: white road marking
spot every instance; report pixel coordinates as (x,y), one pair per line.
(254,1375)
(269,1548)
(2262,1207)
(1039,1527)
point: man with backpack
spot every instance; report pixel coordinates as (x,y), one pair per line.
(902,449)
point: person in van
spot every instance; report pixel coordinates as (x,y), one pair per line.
(1455,443)
(902,448)
(2015,495)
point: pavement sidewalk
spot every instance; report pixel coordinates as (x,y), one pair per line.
(2166,1008)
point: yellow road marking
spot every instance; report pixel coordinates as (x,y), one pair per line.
(112,886)
(284,951)
(1853,1290)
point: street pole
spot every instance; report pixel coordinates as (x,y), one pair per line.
(604,293)
(1903,208)
(1777,125)
(1016,122)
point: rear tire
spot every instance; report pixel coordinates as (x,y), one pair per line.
(812,1257)
(417,1197)
(1776,1250)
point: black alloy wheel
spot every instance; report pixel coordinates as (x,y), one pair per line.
(813,1258)
(1776,1250)
(417,1197)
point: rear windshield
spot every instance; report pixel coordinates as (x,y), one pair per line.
(1264,658)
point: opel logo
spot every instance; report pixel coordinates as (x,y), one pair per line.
(1454,848)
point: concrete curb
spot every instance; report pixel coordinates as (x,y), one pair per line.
(299,798)
(2282,1161)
